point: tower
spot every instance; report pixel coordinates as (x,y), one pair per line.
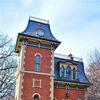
(43,75)
(35,72)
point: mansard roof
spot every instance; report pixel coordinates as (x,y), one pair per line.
(82,79)
(35,24)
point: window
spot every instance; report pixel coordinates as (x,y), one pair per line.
(62,71)
(37,83)
(37,63)
(55,98)
(36,97)
(68,72)
(74,73)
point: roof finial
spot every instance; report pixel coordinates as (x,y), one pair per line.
(70,56)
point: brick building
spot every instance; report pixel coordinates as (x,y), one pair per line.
(42,74)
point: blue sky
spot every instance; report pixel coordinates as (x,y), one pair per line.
(74,22)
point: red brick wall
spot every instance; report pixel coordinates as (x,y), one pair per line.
(60,94)
(28,90)
(30,59)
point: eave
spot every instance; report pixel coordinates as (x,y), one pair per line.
(74,83)
(24,37)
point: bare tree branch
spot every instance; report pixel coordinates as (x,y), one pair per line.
(7,68)
(93,74)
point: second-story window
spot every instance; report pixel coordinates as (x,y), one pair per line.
(37,63)
(68,72)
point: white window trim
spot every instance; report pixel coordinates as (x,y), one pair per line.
(36,94)
(38,80)
(38,54)
(55,98)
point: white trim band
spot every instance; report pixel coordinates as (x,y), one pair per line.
(39,73)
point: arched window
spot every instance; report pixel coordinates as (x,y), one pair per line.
(36,97)
(55,98)
(62,71)
(68,72)
(37,63)
(74,73)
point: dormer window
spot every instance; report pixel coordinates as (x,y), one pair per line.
(62,71)
(74,74)
(68,72)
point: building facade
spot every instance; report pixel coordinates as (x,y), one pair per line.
(43,75)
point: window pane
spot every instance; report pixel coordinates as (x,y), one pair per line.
(37,63)
(62,71)
(74,74)
(36,97)
(38,59)
(68,72)
(37,67)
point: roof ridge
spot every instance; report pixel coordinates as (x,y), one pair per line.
(67,57)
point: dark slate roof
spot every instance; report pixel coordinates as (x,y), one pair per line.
(33,26)
(81,74)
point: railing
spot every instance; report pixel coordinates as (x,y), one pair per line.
(39,19)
